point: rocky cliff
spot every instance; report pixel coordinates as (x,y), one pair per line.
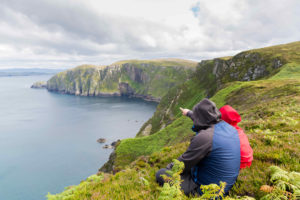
(245,66)
(148,79)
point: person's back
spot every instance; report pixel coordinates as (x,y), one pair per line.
(213,154)
(232,117)
(223,161)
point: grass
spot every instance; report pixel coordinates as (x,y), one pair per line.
(131,149)
(168,62)
(271,115)
(136,181)
(289,52)
(289,71)
(220,97)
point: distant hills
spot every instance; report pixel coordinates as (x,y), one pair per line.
(27,71)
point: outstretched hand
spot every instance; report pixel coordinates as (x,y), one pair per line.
(184,111)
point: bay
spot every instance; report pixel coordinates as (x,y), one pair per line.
(48,140)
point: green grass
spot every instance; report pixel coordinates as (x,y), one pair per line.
(220,97)
(131,149)
(289,71)
(136,181)
(271,113)
(171,62)
(289,52)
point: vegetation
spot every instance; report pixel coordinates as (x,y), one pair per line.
(285,185)
(270,109)
(169,62)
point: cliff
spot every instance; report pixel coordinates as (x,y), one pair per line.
(147,79)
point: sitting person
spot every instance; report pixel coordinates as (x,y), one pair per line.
(213,154)
(232,117)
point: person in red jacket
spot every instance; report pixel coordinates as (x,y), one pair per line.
(232,117)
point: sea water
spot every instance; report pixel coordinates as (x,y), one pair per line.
(48,141)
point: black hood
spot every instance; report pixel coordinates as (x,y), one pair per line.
(205,113)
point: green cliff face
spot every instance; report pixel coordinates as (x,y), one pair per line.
(150,80)
(262,84)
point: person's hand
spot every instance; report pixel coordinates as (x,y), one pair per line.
(170,166)
(184,111)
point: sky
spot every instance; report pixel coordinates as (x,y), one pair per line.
(67,33)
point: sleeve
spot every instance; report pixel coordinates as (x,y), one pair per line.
(200,146)
(190,115)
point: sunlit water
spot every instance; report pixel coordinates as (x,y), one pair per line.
(48,140)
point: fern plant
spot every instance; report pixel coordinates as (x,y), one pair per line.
(284,185)
(212,191)
(172,190)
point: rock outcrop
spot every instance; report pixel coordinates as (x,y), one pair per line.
(101,140)
(39,85)
(245,66)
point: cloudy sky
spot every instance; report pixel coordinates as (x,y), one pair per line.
(66,33)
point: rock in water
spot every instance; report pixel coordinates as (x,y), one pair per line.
(107,146)
(101,140)
(113,144)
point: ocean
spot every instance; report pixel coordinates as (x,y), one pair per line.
(48,141)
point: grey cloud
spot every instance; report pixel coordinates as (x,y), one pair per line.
(78,22)
(80,26)
(69,32)
(259,23)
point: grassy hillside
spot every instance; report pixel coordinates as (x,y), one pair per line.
(168,62)
(269,105)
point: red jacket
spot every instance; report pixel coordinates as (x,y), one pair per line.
(232,117)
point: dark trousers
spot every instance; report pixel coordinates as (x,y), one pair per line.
(188,185)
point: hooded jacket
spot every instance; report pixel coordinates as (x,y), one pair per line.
(232,117)
(214,152)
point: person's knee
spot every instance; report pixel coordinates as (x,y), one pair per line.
(159,179)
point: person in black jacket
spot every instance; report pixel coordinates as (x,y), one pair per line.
(213,154)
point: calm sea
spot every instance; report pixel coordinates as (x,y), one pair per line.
(48,140)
